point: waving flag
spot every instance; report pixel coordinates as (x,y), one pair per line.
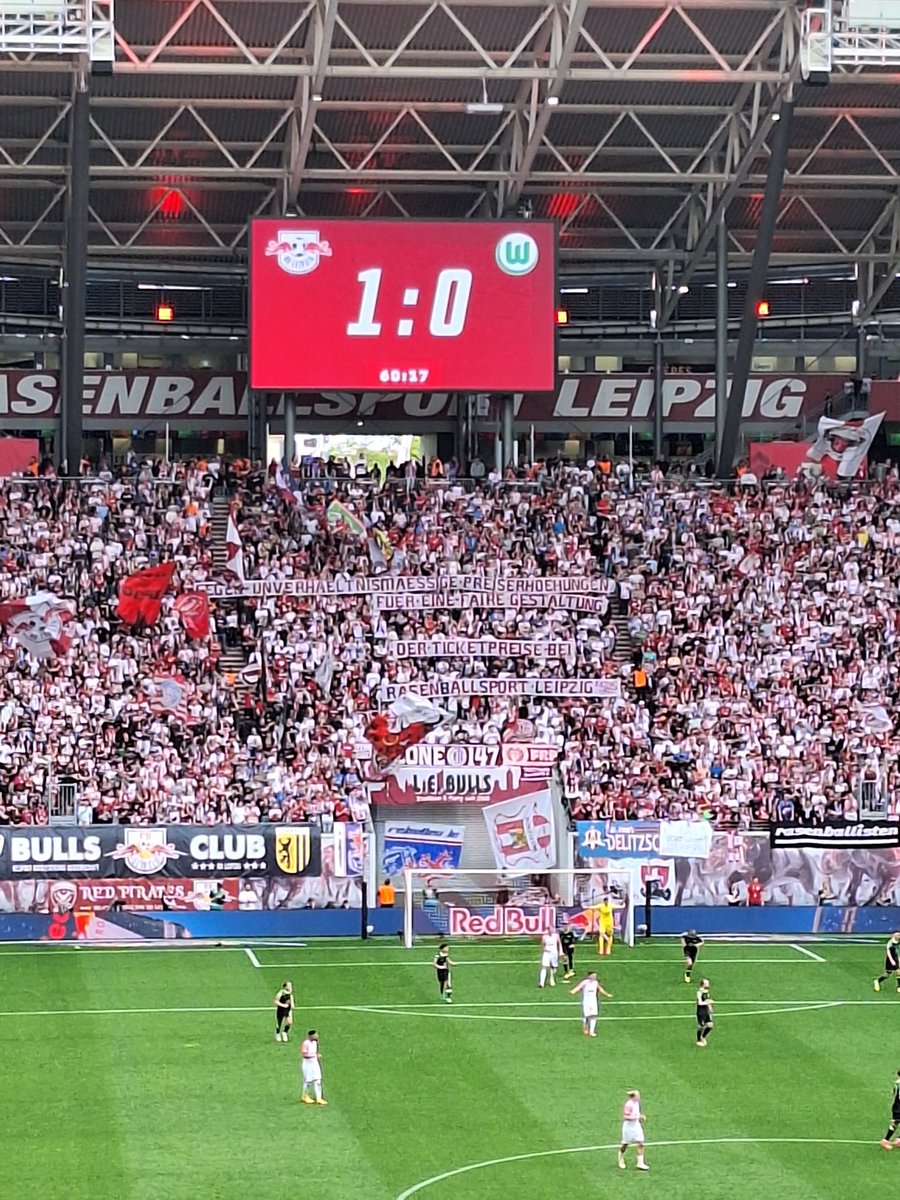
(234,549)
(169,696)
(38,624)
(193,608)
(338,514)
(140,595)
(408,720)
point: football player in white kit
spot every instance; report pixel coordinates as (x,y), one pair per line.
(633,1130)
(551,949)
(311,1070)
(590,990)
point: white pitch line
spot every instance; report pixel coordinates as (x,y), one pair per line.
(797,1004)
(253,959)
(723,1141)
(809,953)
(511,962)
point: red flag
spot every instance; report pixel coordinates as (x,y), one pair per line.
(140,595)
(193,608)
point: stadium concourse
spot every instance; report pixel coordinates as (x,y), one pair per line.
(740,604)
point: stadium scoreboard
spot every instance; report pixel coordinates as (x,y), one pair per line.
(438,306)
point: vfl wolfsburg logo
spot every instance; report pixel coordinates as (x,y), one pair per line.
(516,254)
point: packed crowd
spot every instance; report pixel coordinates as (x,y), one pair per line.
(753,636)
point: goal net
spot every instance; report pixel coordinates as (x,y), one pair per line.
(491,904)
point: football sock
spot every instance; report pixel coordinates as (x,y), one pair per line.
(317,1090)
(592,1024)
(699,1035)
(881,979)
(890,1131)
(543,976)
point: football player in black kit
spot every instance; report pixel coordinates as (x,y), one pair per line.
(895,1117)
(891,962)
(284,1010)
(442,964)
(567,938)
(704,1012)
(690,944)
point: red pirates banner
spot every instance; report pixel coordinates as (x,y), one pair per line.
(38,624)
(140,595)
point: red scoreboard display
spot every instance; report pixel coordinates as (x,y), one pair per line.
(368,306)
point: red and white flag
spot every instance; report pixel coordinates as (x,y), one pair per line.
(408,720)
(38,624)
(522,832)
(169,696)
(193,608)
(234,549)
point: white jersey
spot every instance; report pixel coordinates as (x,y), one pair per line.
(590,996)
(632,1126)
(311,1068)
(550,950)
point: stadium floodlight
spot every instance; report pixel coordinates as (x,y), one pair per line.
(490,904)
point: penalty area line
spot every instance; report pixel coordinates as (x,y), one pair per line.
(253,959)
(809,953)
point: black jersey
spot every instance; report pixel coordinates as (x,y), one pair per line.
(704,1004)
(892,956)
(895,1100)
(284,999)
(692,943)
(567,937)
(442,961)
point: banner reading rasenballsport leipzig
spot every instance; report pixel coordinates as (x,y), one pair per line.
(845,834)
(533,685)
(177,851)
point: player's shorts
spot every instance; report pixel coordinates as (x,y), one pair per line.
(691,953)
(632,1132)
(590,1011)
(443,976)
(282,1014)
(889,967)
(550,960)
(704,1016)
(311,1070)
(606,931)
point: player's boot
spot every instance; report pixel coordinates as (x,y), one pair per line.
(448,999)
(321,1103)
(886,1144)
(306,1100)
(621,1163)
(642,1166)
(876,985)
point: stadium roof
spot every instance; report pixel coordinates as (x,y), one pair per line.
(633,124)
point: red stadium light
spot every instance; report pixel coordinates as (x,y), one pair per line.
(562,317)
(165,313)
(762,308)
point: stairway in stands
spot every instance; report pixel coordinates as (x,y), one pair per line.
(233,659)
(624,646)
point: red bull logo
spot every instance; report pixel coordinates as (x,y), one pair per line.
(501,922)
(298,251)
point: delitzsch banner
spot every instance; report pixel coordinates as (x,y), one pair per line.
(175,851)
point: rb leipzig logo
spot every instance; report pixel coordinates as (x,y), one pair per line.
(298,251)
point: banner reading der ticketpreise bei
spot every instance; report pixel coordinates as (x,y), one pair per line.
(176,851)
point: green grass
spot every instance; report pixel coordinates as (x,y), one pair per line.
(202,1105)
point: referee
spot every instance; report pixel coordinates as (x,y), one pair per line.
(442,963)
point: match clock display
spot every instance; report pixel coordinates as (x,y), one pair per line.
(374,306)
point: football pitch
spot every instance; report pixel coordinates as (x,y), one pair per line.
(138,1074)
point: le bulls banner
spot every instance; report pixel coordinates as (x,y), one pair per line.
(206,400)
(463,774)
(175,851)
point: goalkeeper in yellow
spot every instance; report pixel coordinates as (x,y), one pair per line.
(605,917)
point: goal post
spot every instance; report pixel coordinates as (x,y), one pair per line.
(457,903)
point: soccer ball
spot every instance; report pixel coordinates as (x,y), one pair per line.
(370,929)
